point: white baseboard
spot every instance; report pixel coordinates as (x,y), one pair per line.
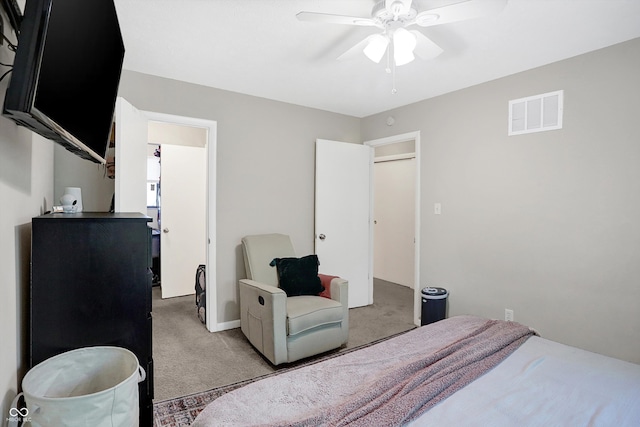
(226,325)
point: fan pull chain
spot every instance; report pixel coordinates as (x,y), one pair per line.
(393,78)
(388,69)
(391,69)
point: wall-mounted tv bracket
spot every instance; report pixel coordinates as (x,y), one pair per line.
(13,12)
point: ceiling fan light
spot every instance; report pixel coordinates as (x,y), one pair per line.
(403,45)
(376,47)
(402,58)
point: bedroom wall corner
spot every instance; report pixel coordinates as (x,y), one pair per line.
(544,223)
(259,188)
(73,171)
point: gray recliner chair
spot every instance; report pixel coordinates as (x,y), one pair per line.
(285,329)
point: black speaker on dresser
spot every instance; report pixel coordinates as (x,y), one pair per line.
(90,286)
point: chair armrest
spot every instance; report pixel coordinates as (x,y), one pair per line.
(340,293)
(263,314)
(263,287)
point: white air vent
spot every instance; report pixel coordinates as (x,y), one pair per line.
(536,113)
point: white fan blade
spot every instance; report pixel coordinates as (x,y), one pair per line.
(327,18)
(467,9)
(425,48)
(355,50)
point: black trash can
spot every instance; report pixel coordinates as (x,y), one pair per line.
(434,305)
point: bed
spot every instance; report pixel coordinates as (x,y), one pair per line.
(462,371)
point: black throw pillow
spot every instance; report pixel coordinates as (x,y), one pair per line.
(298,276)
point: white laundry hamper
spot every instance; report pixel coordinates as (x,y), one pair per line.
(91,386)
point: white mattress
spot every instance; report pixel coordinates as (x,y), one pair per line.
(544,383)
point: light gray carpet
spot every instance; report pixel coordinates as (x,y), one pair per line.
(189,359)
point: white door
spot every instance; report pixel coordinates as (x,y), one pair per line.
(131,158)
(342,216)
(183,217)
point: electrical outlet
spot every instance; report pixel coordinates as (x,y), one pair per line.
(508,315)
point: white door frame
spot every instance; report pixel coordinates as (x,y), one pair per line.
(415,136)
(211,150)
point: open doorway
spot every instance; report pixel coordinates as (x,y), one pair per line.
(131,176)
(398,157)
(394,213)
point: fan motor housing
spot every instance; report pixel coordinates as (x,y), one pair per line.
(396,12)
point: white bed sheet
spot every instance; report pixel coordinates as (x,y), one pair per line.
(545,383)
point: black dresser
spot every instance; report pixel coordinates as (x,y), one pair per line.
(91,285)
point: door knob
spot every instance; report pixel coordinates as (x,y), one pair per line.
(165,230)
(322,237)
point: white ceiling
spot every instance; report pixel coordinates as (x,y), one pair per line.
(258,47)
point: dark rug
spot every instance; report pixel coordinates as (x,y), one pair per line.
(182,411)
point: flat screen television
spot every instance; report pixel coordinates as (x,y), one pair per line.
(66,73)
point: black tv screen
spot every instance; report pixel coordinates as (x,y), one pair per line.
(66,73)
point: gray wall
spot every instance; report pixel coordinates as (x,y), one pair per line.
(546,224)
(73,171)
(265,170)
(26,190)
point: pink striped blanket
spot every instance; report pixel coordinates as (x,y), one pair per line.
(387,384)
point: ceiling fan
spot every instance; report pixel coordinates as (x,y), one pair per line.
(394,17)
